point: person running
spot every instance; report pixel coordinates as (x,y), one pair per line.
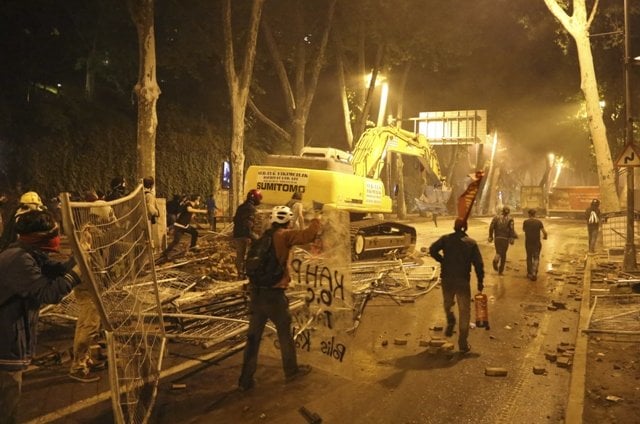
(532,227)
(183,225)
(502,230)
(456,252)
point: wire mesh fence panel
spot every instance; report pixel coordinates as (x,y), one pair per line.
(111,241)
(615,314)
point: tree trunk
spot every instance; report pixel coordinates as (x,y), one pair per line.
(238,84)
(146,89)
(342,88)
(578,26)
(608,195)
(402,206)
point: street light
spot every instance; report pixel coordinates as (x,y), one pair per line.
(629,263)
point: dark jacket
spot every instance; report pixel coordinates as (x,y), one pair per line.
(460,252)
(243,220)
(502,226)
(28,279)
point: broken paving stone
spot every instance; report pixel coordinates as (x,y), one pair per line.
(612,398)
(558,304)
(535,324)
(436,328)
(550,356)
(385,342)
(399,341)
(564,362)
(495,372)
(437,342)
(552,308)
(539,370)
(178,386)
(565,328)
(448,346)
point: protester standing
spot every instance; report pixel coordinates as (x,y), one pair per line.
(243,233)
(211,211)
(593,215)
(153,212)
(271,303)
(29,280)
(532,227)
(295,204)
(457,252)
(118,189)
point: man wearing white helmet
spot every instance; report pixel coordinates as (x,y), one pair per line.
(271,303)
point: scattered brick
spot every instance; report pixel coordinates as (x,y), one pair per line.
(495,372)
(399,341)
(564,362)
(539,370)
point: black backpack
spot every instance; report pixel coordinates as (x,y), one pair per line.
(262,266)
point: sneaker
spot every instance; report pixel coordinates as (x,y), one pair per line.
(84,377)
(465,349)
(302,371)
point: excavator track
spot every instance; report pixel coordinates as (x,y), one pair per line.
(374,238)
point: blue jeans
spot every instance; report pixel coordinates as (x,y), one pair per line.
(268,304)
(533,258)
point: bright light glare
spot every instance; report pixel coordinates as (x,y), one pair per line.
(379,79)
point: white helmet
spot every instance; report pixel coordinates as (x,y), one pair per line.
(281,215)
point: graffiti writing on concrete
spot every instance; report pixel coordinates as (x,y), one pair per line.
(323,284)
(333,349)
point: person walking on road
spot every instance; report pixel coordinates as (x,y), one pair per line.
(532,227)
(243,233)
(593,215)
(457,252)
(502,230)
(271,303)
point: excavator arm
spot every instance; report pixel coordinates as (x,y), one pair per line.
(370,152)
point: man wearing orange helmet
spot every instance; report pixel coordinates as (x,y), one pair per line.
(243,233)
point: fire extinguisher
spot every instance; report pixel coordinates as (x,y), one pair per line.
(482,310)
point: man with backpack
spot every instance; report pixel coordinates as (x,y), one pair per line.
(592,215)
(503,232)
(268,299)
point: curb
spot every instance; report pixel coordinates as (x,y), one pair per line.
(575,401)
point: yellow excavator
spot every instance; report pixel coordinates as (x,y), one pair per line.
(351,182)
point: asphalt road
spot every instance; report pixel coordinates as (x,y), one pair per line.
(391,383)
